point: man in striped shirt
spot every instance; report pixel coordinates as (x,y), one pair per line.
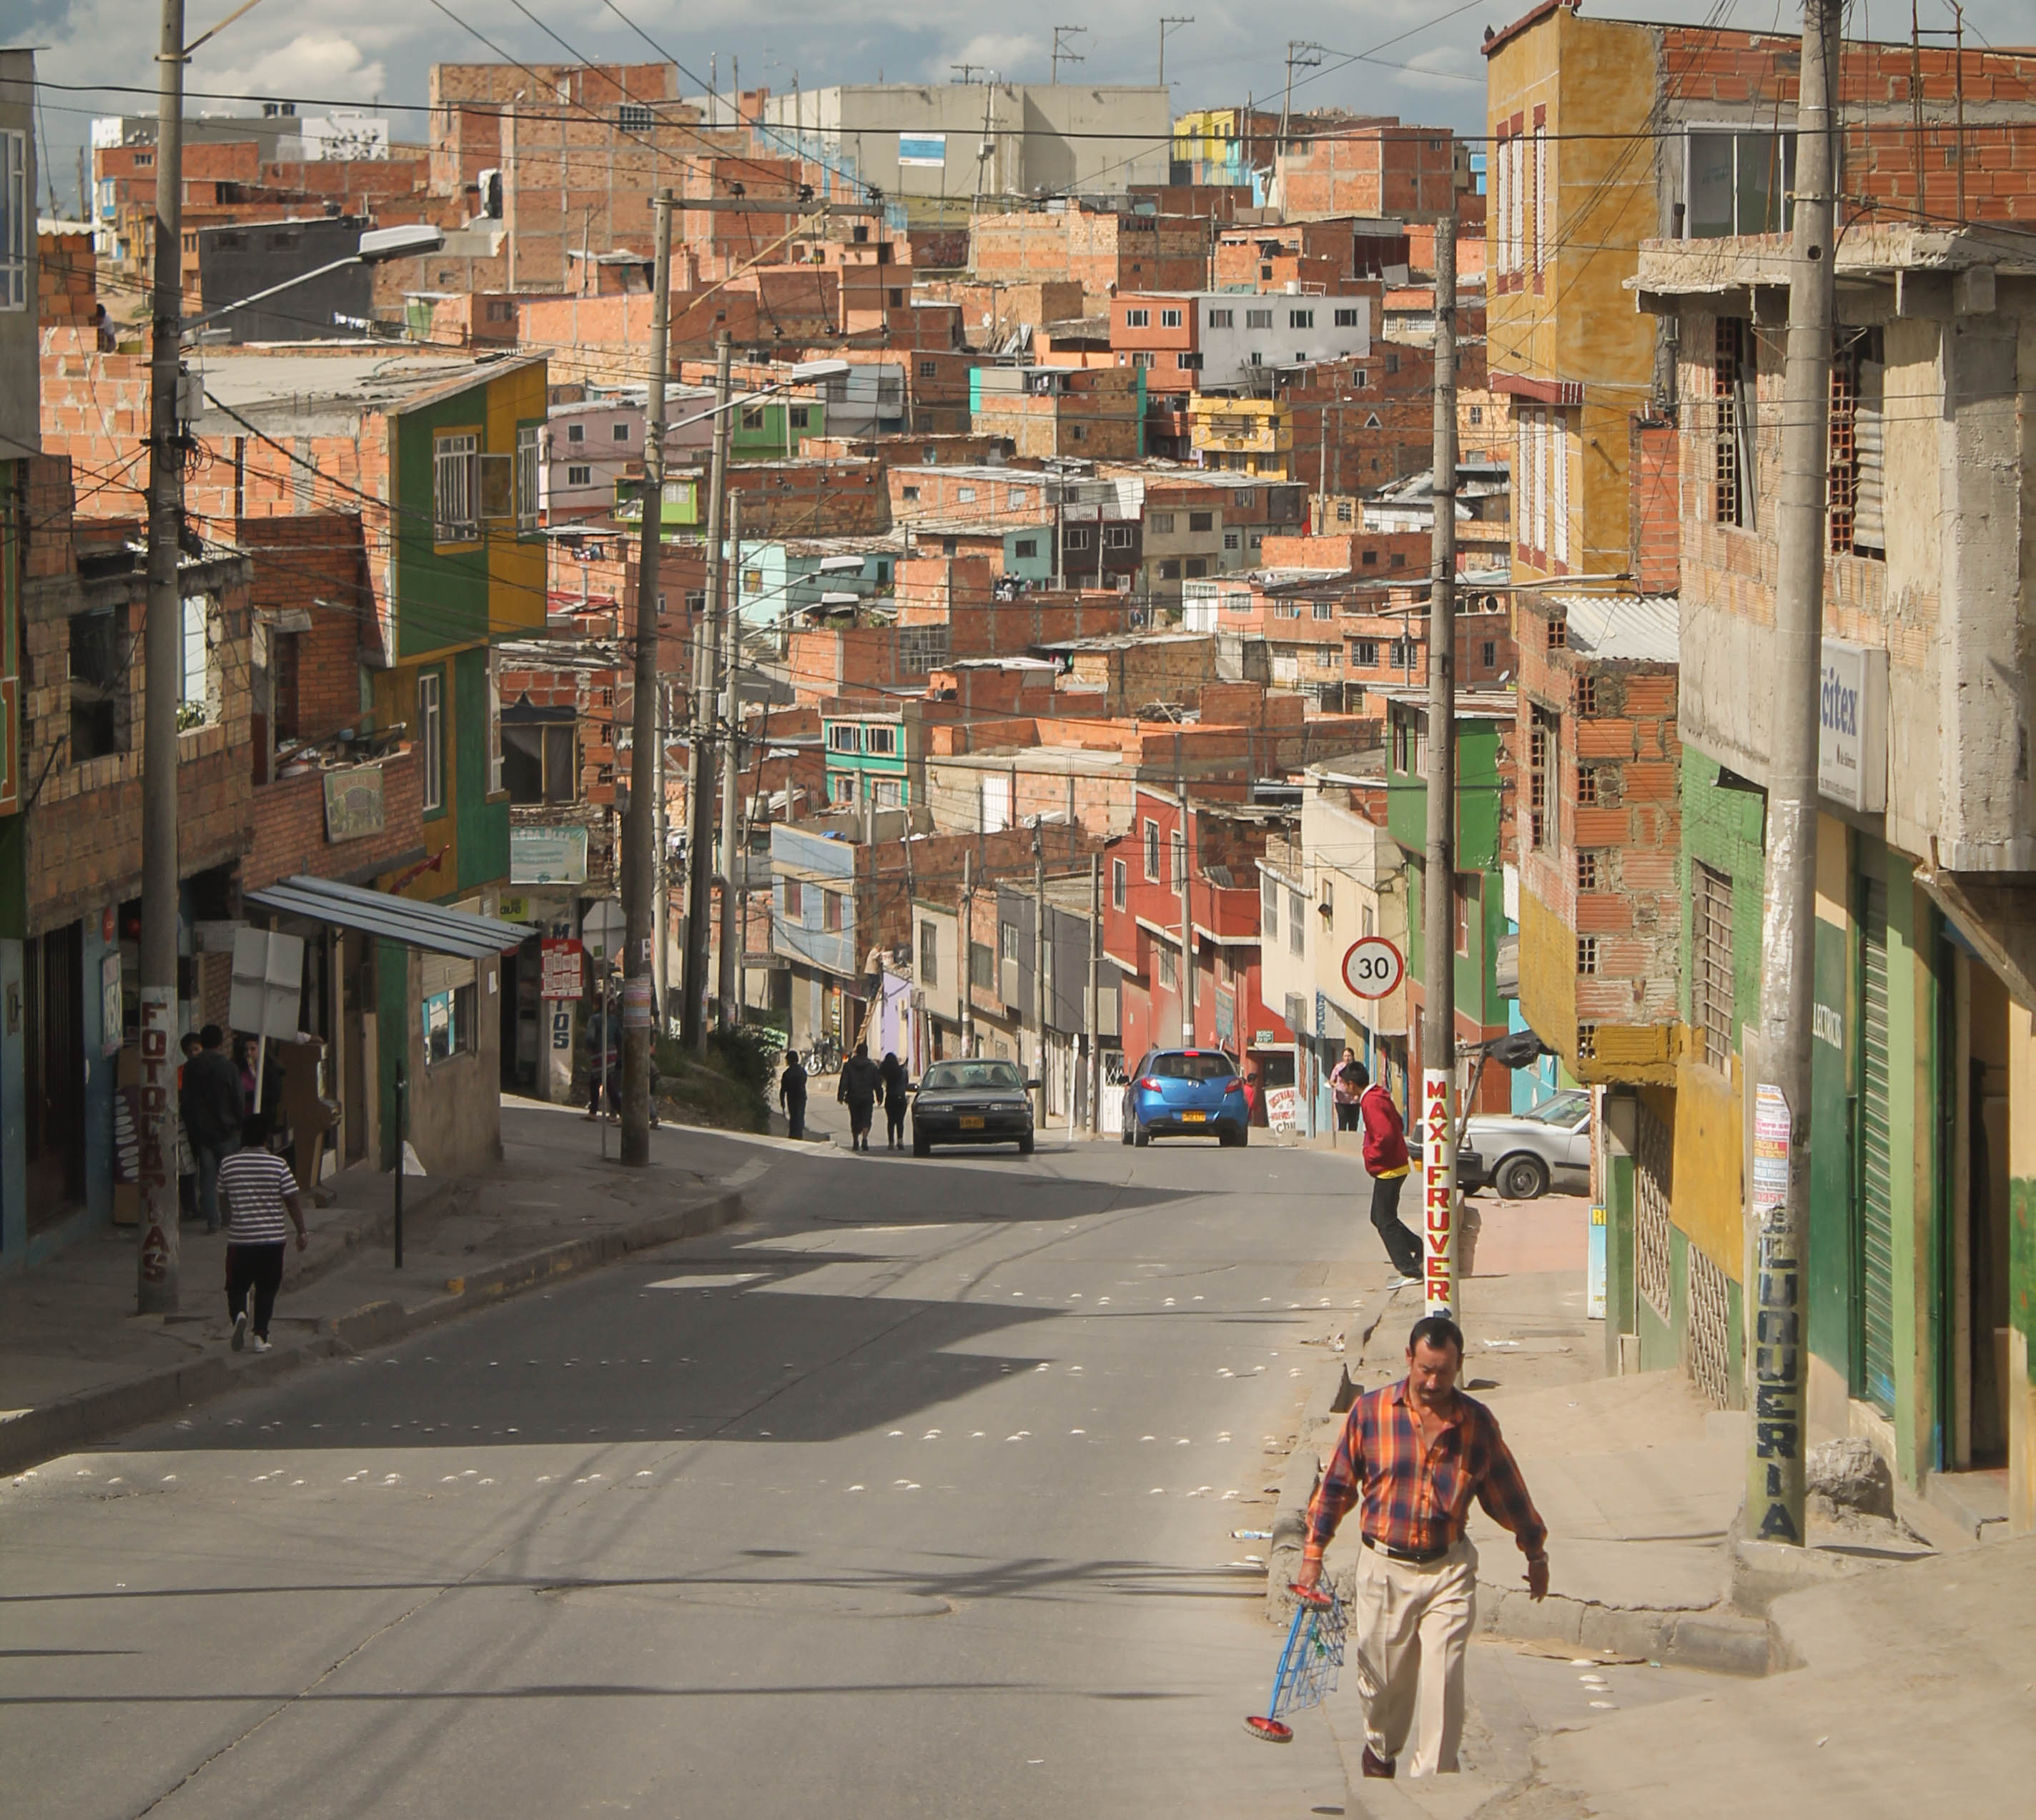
(259,1190)
(1413,1455)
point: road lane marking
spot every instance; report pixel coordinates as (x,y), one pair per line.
(722,1281)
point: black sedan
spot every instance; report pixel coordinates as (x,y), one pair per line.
(971,1102)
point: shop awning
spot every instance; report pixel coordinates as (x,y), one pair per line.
(432,927)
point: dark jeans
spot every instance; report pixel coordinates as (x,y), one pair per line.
(594,1081)
(894,1122)
(1347,1119)
(795,1114)
(860,1112)
(1403,1247)
(208,1156)
(259,1267)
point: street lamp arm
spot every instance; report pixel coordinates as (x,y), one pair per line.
(809,373)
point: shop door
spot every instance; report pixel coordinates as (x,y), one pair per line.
(1874,1353)
(53,1050)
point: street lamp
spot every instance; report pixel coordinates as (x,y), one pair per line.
(378,246)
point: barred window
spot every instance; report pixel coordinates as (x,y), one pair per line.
(1733,480)
(1586,872)
(1711,963)
(454,460)
(1858,521)
(1586,697)
(1586,954)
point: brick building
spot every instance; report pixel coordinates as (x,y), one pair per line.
(1103,251)
(1367,168)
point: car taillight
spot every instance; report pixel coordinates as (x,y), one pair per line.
(1148,1083)
(1233,1086)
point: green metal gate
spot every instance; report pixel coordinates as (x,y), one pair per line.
(1874,1354)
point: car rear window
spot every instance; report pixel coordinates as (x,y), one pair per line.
(1564,1109)
(1205,1064)
(945,1076)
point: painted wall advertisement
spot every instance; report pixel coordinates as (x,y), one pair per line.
(553,855)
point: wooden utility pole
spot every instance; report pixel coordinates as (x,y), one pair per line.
(699,766)
(642,868)
(158,1262)
(1777,1073)
(1438,1225)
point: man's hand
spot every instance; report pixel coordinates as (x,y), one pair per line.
(1537,1576)
(304,1239)
(1310,1574)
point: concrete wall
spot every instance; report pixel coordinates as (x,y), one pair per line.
(20,432)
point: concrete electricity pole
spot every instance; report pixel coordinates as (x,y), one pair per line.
(1439,1015)
(642,865)
(1039,953)
(699,769)
(158,1264)
(1187,906)
(1089,1018)
(733,859)
(1779,1070)
(964,950)
(1167,20)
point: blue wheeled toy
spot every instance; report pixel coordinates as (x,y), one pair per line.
(1308,1665)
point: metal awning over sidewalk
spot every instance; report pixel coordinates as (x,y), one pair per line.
(429,926)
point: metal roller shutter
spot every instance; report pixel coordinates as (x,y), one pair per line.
(1876,1353)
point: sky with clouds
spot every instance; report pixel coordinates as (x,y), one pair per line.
(1416,58)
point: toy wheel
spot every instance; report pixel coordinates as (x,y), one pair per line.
(1269,1731)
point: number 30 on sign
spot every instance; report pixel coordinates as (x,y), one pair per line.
(1372,967)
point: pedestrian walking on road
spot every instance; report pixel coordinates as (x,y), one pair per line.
(1347,1081)
(259,1191)
(1412,1455)
(792,1093)
(1385,1163)
(603,1059)
(897,1083)
(213,1107)
(858,1090)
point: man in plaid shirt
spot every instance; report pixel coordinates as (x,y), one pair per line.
(1413,1455)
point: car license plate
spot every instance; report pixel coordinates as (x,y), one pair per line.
(971,1123)
(1194,1118)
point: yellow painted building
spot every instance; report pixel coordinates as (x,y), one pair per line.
(1242,435)
(1571,193)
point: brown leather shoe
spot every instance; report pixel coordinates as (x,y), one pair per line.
(1379,1766)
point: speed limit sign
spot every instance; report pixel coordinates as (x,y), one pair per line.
(1372,967)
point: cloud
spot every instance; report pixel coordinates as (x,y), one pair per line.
(1012,56)
(321,63)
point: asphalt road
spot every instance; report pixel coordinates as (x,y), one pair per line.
(913,1494)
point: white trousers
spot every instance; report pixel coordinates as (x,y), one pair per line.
(1412,1623)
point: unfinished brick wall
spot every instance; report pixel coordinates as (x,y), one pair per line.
(1370,168)
(67,280)
(1653,466)
(316,564)
(288,823)
(83,832)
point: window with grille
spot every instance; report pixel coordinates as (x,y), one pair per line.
(1858,521)
(1269,905)
(454,460)
(1364,654)
(1559,633)
(1586,697)
(1586,1042)
(634,117)
(1177,857)
(1587,791)
(17,221)
(1297,923)
(1587,954)
(1586,872)
(1733,480)
(929,955)
(1653,1177)
(1541,747)
(1711,964)
(527,476)
(1152,850)
(1401,655)
(1119,883)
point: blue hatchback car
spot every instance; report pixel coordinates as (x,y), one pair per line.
(1185,1093)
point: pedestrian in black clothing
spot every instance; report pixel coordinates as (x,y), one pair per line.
(212,1105)
(858,1090)
(897,1082)
(792,1093)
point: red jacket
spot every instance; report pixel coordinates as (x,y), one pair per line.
(1384,1136)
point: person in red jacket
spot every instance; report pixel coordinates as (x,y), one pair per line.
(1385,1163)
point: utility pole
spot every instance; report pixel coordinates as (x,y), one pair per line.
(1438,1018)
(1061,53)
(1302,54)
(1166,20)
(159,1272)
(965,967)
(1089,1018)
(1779,1073)
(1187,909)
(642,868)
(699,768)
(732,858)
(1039,954)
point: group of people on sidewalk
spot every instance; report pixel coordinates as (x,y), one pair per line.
(863,1086)
(241,1182)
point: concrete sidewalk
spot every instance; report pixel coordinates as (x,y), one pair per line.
(75,1362)
(1906,1674)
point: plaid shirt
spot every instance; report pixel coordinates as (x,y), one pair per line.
(1415,1503)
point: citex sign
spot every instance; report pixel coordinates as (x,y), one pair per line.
(1852,727)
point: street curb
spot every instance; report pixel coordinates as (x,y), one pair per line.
(58,1428)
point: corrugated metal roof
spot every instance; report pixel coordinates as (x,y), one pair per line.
(430,926)
(1623,628)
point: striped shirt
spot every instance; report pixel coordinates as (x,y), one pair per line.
(253,1183)
(1416,1501)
